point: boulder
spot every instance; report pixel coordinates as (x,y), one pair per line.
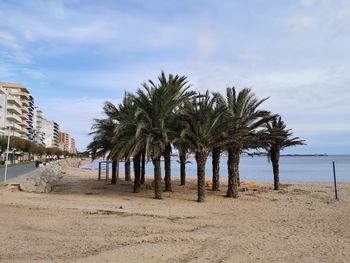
(44,179)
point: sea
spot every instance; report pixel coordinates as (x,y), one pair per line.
(258,168)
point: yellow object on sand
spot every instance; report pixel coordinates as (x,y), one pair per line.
(252,185)
(209,183)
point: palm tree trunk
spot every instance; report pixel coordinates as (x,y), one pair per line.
(236,167)
(232,186)
(216,168)
(183,168)
(127,170)
(167,168)
(201,160)
(137,173)
(275,167)
(114,171)
(143,166)
(157,178)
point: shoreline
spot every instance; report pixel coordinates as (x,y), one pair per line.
(85,220)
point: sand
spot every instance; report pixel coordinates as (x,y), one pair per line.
(85,220)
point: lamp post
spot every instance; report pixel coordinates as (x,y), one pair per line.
(7,153)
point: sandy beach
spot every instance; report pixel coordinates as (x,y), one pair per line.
(85,220)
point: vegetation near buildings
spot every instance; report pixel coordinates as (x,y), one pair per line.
(23,150)
(165,115)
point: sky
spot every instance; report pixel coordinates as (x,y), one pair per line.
(75,55)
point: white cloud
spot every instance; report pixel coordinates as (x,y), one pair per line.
(303,23)
(8,40)
(309,2)
(11,50)
(250,56)
(34,74)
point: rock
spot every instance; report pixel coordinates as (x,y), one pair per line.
(44,179)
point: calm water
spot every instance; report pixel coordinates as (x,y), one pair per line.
(292,168)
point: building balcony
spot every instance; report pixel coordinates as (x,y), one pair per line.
(13,108)
(13,118)
(13,126)
(16,134)
(14,100)
(25,96)
(25,117)
(24,124)
(25,102)
(25,110)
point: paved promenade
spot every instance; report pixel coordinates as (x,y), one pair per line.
(15,171)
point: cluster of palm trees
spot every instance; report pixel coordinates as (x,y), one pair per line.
(166,114)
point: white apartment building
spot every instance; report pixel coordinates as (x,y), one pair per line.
(38,134)
(16,110)
(10,114)
(51,133)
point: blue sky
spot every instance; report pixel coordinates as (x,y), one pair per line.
(74,55)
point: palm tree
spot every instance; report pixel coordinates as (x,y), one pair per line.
(182,145)
(204,131)
(167,168)
(124,141)
(279,138)
(244,119)
(101,145)
(143,166)
(215,154)
(180,142)
(155,104)
(112,113)
(177,83)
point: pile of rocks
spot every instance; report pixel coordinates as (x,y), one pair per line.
(42,180)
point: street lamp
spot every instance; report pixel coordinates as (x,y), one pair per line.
(7,153)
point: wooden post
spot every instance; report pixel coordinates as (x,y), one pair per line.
(99,171)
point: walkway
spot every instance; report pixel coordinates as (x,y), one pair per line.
(17,170)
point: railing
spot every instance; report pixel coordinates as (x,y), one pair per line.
(14,99)
(12,116)
(14,108)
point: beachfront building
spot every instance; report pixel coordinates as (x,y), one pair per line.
(10,114)
(72,148)
(51,133)
(16,111)
(64,137)
(67,143)
(38,134)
